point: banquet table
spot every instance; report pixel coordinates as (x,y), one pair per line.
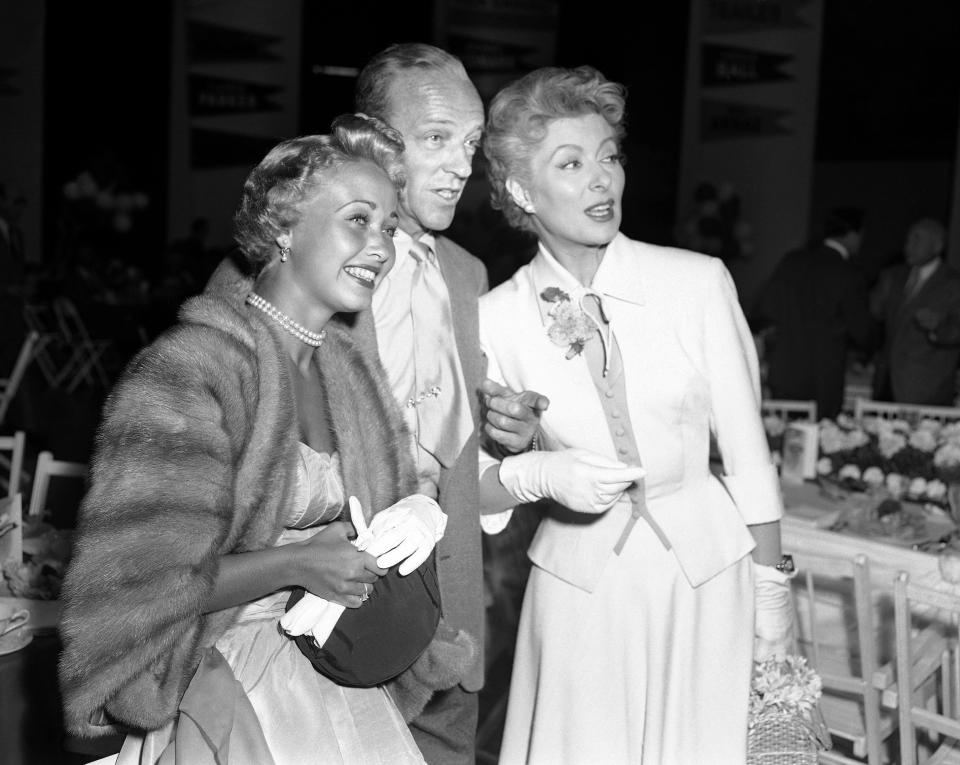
(804,528)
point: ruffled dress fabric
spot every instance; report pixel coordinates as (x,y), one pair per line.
(257,700)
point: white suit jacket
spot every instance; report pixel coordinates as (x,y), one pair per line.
(690,366)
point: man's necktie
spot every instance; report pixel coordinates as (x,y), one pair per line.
(444,421)
(912,285)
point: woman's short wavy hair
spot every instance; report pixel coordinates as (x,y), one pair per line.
(520,114)
(277,190)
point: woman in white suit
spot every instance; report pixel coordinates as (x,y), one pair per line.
(637,633)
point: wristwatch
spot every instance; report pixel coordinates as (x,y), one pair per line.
(785,566)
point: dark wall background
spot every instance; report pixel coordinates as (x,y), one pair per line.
(890,89)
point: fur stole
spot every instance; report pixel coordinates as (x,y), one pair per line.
(195,458)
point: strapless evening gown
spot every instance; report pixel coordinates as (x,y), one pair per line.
(257,700)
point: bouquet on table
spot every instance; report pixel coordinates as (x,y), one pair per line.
(785,726)
(915,461)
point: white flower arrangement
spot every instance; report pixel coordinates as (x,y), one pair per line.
(873,476)
(850,471)
(783,686)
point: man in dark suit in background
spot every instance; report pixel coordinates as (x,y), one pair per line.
(816,303)
(918,302)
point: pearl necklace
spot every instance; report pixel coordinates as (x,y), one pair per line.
(300,332)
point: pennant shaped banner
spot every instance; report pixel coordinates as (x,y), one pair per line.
(209,43)
(217,148)
(721,120)
(485,55)
(218,95)
(726,16)
(7,87)
(729,65)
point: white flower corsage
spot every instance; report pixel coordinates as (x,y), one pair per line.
(571,326)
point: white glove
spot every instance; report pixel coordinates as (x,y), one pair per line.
(317,615)
(773,621)
(578,479)
(406,531)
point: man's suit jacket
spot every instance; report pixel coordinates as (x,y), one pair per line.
(911,368)
(689,364)
(818,304)
(459,554)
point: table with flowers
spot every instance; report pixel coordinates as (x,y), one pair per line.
(885,488)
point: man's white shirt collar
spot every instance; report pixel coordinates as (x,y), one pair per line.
(833,244)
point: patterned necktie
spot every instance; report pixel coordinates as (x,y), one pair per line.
(444,421)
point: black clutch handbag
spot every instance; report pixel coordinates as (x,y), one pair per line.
(377,641)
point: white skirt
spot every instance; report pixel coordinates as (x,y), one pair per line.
(645,669)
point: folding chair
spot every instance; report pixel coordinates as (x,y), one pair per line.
(10,385)
(827,587)
(47,468)
(51,351)
(16,445)
(86,363)
(929,727)
(787,409)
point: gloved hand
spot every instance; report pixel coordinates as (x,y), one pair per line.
(317,615)
(773,621)
(406,531)
(578,479)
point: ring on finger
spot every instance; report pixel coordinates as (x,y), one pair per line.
(365,593)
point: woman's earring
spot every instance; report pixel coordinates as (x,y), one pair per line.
(284,254)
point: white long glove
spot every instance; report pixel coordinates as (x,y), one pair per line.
(773,621)
(406,531)
(578,479)
(317,615)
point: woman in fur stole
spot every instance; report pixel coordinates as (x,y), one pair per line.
(219,482)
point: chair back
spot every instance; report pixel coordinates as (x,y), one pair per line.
(826,586)
(86,364)
(16,446)
(889,410)
(788,409)
(929,728)
(10,385)
(47,468)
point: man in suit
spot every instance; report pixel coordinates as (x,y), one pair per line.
(426,94)
(817,304)
(918,302)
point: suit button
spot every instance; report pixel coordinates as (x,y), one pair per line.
(619,431)
(609,394)
(623,450)
(615,414)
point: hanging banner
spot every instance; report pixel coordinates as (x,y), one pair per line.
(749,130)
(235,92)
(730,65)
(219,95)
(21,125)
(730,16)
(721,120)
(498,40)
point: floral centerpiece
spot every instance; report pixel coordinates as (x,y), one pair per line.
(916,461)
(784,723)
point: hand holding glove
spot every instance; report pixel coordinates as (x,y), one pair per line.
(317,615)
(578,479)
(406,531)
(774,613)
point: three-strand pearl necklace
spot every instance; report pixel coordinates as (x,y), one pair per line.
(300,332)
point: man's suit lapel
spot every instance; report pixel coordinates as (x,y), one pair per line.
(466,323)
